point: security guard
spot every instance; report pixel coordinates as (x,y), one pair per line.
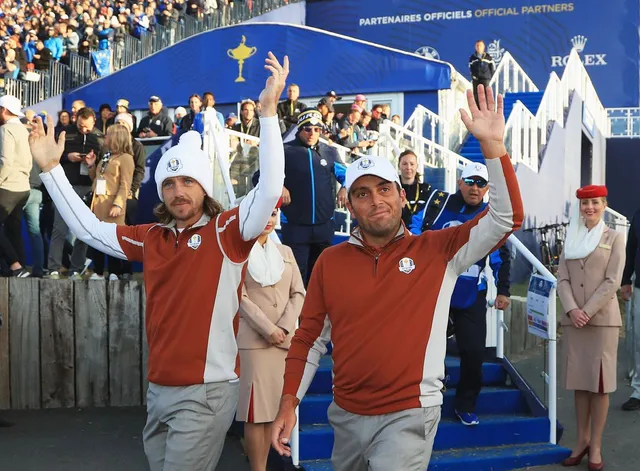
(308,200)
(468,310)
(482,68)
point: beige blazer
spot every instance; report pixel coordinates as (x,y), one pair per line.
(591,283)
(118,175)
(263,310)
(15,156)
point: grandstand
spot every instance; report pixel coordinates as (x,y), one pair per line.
(559,136)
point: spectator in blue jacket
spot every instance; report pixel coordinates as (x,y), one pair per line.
(54,44)
(467,315)
(311,169)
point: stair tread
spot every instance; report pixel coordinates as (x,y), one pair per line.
(446,421)
(477,455)
(448,392)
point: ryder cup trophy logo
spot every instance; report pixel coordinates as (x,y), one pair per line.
(241,54)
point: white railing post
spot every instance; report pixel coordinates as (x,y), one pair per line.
(552,366)
(295,440)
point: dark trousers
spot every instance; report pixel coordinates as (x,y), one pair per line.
(129,220)
(475,88)
(470,326)
(307,243)
(11,244)
(114,265)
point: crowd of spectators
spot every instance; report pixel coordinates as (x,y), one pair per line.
(34,32)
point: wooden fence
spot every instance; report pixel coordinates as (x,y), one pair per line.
(82,344)
(71,344)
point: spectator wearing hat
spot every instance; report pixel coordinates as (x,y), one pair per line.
(156,122)
(15,167)
(105,114)
(195,106)
(361,101)
(289,109)
(330,131)
(230,121)
(308,202)
(178,115)
(589,275)
(122,107)
(333,96)
(248,123)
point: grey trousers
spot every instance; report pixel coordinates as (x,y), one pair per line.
(58,237)
(400,440)
(187,425)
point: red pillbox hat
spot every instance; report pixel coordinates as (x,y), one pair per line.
(592,191)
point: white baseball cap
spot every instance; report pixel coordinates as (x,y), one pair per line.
(124,118)
(370,165)
(12,104)
(475,169)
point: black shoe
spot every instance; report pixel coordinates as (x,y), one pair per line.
(20,273)
(5,423)
(631,404)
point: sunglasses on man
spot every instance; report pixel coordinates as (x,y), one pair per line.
(310,129)
(479,182)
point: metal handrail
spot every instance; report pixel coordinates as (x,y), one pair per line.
(552,372)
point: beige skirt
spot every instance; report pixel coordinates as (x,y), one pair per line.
(590,358)
(261,381)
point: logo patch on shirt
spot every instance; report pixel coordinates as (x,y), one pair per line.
(174,165)
(323,162)
(406,265)
(194,241)
(365,163)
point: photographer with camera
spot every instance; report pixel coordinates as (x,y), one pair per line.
(83,143)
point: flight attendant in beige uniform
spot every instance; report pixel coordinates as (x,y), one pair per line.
(589,276)
(272,298)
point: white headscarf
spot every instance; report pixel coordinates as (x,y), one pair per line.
(266,264)
(580,240)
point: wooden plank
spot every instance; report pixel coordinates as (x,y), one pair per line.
(145,345)
(124,344)
(57,357)
(92,345)
(5,378)
(24,337)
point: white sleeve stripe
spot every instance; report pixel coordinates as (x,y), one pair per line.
(317,350)
(133,242)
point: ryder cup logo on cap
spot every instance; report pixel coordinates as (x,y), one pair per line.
(173,165)
(365,163)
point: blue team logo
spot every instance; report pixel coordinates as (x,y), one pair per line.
(365,163)
(173,165)
(406,265)
(194,241)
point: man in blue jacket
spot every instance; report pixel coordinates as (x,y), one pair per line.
(308,200)
(467,315)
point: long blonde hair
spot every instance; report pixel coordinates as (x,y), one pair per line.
(118,140)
